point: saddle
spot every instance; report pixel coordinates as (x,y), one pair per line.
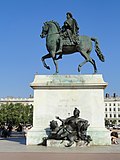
(74,40)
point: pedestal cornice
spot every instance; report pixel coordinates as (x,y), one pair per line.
(68,82)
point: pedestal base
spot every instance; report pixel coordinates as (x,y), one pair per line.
(59,95)
(35,136)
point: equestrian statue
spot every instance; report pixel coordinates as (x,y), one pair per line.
(66,40)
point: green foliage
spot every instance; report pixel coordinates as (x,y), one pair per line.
(16,113)
(113,122)
(107,122)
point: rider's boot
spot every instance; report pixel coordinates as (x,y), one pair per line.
(60,56)
(60,53)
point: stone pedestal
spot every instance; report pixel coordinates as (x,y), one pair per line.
(58,95)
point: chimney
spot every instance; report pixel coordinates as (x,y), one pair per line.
(114,95)
(107,95)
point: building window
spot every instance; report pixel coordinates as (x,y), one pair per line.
(114,109)
(118,115)
(110,115)
(114,115)
(109,104)
(118,109)
(114,104)
(118,120)
(109,109)
(118,104)
(105,109)
(106,115)
(105,104)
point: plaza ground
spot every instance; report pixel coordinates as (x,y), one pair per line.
(14,148)
(17,144)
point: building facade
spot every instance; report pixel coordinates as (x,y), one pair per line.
(112,109)
(25,101)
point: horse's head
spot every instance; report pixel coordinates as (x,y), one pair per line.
(44,30)
(51,27)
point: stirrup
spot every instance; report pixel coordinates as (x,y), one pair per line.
(59,51)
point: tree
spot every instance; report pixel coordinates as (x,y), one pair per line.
(107,122)
(16,113)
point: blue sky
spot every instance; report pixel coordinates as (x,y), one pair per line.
(21,48)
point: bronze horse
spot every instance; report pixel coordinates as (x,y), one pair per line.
(51,30)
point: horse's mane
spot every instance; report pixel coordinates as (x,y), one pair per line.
(57,25)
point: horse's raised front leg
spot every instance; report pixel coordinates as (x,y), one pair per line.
(43,60)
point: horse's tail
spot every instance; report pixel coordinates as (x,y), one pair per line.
(97,49)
